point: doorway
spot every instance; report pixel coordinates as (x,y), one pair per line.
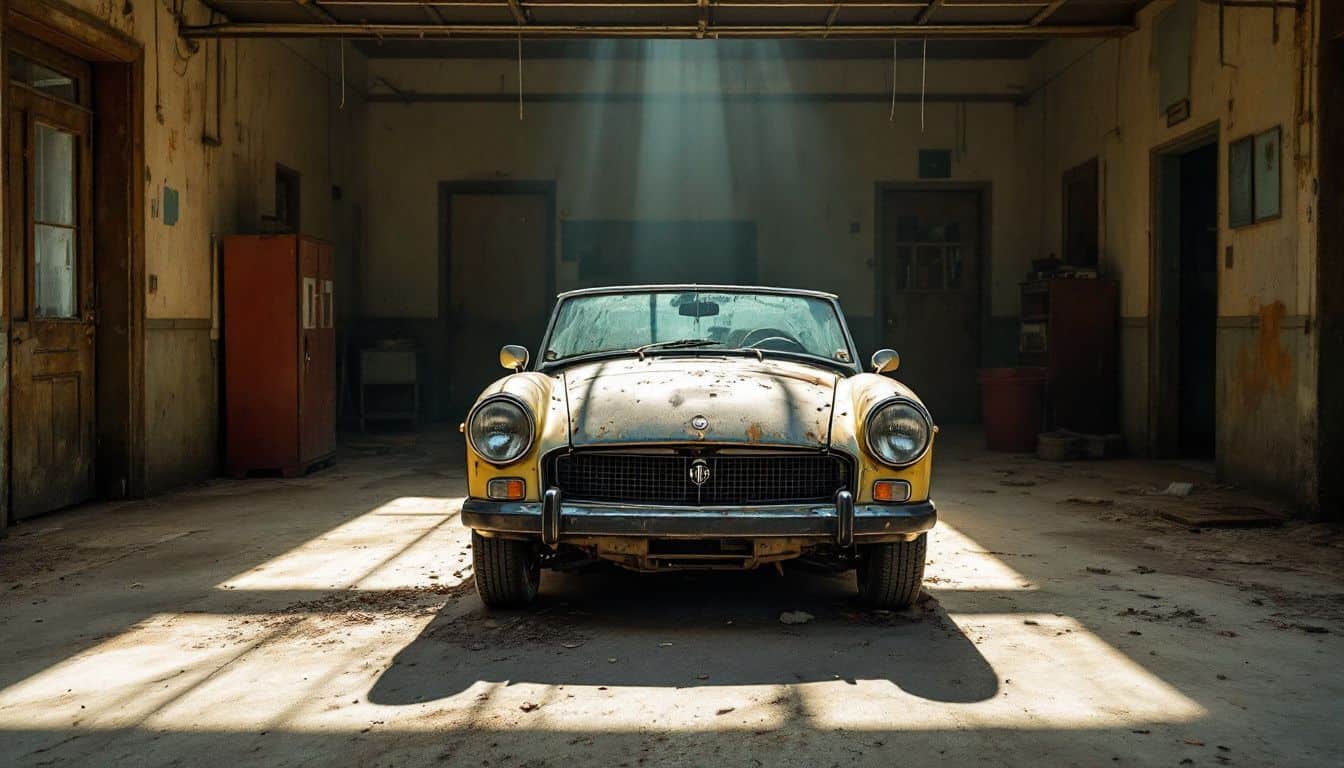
(1186,296)
(929,294)
(73,267)
(498,270)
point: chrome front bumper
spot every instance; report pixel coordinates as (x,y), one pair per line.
(842,522)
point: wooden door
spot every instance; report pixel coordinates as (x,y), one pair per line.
(931,296)
(499,262)
(49,278)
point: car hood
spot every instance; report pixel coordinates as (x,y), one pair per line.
(658,399)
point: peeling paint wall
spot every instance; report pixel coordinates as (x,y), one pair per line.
(276,102)
(1100,99)
(803,168)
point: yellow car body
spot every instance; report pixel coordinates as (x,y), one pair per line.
(684,456)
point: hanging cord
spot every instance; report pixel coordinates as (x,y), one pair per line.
(520,76)
(891,116)
(923,81)
(342,44)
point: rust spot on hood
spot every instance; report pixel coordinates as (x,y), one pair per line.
(754,432)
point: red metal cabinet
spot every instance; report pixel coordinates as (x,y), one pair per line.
(279,353)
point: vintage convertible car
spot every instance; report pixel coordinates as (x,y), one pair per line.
(698,427)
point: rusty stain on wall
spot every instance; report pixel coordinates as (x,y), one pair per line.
(1266,368)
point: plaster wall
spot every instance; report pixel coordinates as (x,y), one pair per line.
(797,147)
(1100,99)
(214,140)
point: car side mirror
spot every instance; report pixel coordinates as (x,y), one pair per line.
(513,357)
(886,361)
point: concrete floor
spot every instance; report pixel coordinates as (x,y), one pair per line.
(331,620)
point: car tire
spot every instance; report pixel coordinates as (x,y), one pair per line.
(890,575)
(507,571)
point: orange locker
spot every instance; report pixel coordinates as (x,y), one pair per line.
(279,353)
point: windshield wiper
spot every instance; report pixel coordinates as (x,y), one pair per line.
(675,344)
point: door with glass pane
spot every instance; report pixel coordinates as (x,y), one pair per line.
(931,296)
(49,279)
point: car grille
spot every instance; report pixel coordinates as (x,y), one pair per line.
(650,478)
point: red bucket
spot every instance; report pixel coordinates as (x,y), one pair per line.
(1012,399)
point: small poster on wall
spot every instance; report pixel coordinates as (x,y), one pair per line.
(1267,152)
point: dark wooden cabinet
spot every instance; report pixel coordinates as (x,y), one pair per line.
(1069,328)
(279,353)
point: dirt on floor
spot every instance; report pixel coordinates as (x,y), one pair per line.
(1081,613)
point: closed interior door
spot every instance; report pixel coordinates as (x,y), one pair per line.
(498,260)
(931,296)
(49,274)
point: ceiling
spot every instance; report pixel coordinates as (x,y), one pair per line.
(434,20)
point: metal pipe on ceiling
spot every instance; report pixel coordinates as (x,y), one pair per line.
(427,31)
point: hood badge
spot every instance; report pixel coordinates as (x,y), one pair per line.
(700,423)
(699,471)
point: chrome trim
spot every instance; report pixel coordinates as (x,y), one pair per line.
(555,520)
(550,517)
(887,403)
(670,287)
(531,427)
(844,519)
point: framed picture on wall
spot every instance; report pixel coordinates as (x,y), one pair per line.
(1241,185)
(1253,177)
(1266,157)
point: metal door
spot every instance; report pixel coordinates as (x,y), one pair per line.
(49,274)
(931,296)
(316,367)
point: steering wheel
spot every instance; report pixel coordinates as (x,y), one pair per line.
(756,338)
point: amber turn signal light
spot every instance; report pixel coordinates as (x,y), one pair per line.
(506,489)
(891,491)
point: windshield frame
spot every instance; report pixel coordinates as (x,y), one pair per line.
(852,367)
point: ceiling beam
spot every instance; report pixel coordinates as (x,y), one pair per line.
(415,31)
(520,14)
(433,13)
(1046,12)
(311,8)
(927,13)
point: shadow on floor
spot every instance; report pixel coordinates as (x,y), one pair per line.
(614,628)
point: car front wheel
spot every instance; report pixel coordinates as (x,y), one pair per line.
(507,571)
(890,575)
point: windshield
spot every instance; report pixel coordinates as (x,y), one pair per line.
(698,320)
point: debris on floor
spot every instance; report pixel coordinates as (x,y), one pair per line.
(795,617)
(1095,501)
(1223,516)
(1059,446)
(1174,489)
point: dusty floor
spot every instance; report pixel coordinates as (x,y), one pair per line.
(331,620)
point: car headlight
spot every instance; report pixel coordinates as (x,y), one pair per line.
(500,430)
(898,432)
